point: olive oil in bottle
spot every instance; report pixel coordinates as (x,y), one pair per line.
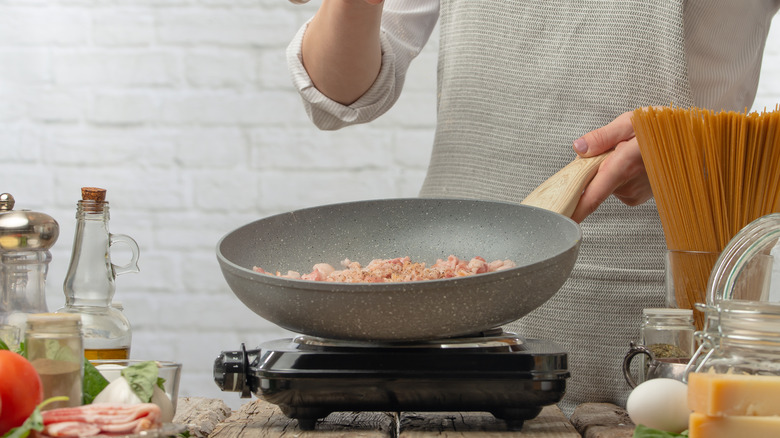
(107,353)
(90,281)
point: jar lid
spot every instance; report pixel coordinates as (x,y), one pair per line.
(661,311)
(749,318)
(25,230)
(53,320)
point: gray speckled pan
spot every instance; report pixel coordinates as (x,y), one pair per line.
(544,245)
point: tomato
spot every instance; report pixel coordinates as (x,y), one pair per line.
(20,390)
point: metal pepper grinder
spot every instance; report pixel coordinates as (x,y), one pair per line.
(25,239)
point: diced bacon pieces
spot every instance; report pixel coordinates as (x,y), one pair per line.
(294,275)
(100,419)
(399,269)
(500,265)
(324,268)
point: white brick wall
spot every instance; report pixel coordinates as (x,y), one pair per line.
(184,111)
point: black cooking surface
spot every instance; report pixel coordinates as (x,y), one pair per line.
(308,378)
(534,359)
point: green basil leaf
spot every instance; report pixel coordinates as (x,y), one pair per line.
(93,383)
(142,377)
(647,432)
(33,422)
(55,350)
(3,345)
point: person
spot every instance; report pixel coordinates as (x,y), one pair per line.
(521,84)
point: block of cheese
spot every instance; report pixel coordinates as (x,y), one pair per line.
(703,426)
(733,394)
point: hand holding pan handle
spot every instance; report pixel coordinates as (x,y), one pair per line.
(561,192)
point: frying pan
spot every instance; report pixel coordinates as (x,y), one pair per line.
(544,245)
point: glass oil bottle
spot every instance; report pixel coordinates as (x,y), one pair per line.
(90,281)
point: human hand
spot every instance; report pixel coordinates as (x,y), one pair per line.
(622,174)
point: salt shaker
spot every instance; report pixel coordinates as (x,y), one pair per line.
(56,350)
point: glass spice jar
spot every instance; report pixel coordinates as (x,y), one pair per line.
(666,345)
(668,334)
(55,348)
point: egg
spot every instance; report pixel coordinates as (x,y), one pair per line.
(660,404)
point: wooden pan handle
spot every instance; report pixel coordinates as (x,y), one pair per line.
(561,192)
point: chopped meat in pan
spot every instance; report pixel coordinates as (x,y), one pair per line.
(399,269)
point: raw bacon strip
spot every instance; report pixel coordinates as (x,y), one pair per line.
(100,418)
(71,429)
(134,426)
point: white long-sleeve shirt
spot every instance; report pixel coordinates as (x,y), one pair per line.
(724,43)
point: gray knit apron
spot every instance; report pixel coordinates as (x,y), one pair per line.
(518,82)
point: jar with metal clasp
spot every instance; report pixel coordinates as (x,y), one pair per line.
(741,335)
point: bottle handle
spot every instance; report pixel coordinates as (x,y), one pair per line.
(132,265)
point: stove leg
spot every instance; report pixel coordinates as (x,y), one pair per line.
(307,423)
(307,417)
(514,425)
(515,417)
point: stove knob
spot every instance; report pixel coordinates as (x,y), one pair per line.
(230,372)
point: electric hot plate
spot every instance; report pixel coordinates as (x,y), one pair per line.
(309,378)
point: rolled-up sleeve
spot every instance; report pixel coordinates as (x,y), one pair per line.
(412,19)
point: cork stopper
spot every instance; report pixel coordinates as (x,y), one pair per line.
(93,200)
(93,194)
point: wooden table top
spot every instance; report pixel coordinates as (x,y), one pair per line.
(210,418)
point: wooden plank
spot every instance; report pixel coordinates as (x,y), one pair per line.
(200,415)
(258,419)
(602,420)
(550,423)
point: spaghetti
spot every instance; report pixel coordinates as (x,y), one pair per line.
(711,174)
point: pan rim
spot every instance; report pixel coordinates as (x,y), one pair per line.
(416,285)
